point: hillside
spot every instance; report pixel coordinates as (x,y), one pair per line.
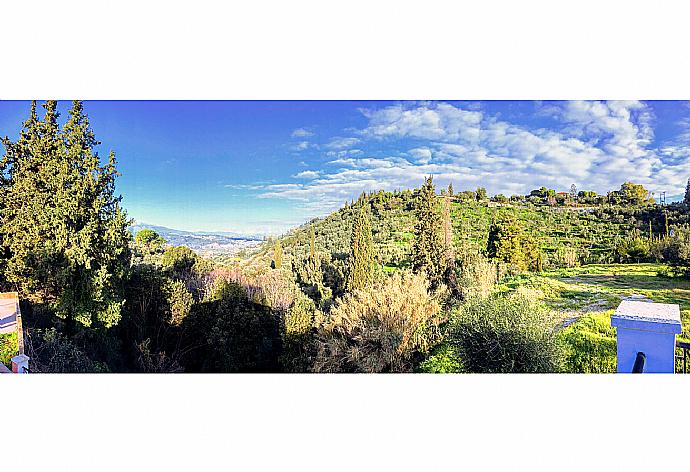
(592,232)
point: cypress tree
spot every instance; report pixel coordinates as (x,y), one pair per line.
(650,230)
(278,255)
(666,231)
(312,246)
(360,262)
(63,228)
(428,248)
(686,200)
(451,278)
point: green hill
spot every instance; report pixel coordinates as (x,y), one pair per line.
(591,232)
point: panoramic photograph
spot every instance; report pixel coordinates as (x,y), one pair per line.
(340,236)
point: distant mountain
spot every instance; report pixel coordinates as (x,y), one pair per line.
(204,242)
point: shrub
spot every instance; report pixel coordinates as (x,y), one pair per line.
(179,258)
(179,301)
(509,242)
(633,249)
(8,348)
(50,351)
(677,250)
(589,345)
(150,240)
(383,328)
(506,334)
(297,334)
(443,360)
(478,278)
(244,336)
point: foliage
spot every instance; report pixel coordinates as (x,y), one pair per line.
(179,258)
(449,250)
(155,363)
(630,194)
(297,335)
(508,242)
(428,255)
(178,299)
(243,336)
(676,251)
(64,233)
(478,277)
(360,262)
(384,328)
(444,359)
(8,348)
(150,240)
(589,345)
(508,334)
(51,351)
(633,249)
(278,255)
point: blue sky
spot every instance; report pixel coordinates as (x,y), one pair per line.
(267,166)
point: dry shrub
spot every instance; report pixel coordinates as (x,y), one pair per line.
(383,328)
(272,288)
(154,363)
(276,291)
(479,277)
(567,257)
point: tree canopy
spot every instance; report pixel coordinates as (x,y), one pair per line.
(64,235)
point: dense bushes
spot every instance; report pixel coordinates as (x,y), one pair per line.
(8,348)
(384,328)
(676,251)
(51,351)
(505,334)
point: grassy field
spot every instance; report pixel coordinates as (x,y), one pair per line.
(586,297)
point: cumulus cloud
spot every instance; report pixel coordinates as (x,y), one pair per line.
(441,122)
(596,145)
(421,155)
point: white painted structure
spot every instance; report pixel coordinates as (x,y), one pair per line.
(649,328)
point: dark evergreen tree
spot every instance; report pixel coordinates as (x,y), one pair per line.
(278,255)
(451,276)
(428,254)
(64,232)
(686,200)
(312,245)
(508,242)
(360,262)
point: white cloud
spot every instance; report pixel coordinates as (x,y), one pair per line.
(596,145)
(307,174)
(339,143)
(439,122)
(421,155)
(302,133)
